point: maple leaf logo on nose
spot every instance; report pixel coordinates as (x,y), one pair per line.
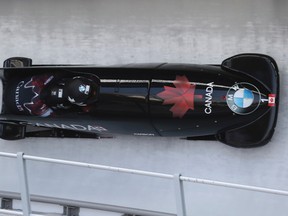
(182,96)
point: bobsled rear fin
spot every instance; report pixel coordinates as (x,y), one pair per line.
(261,67)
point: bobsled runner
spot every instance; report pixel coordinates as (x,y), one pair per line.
(235,102)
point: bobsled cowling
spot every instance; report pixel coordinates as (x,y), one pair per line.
(264,69)
(235,102)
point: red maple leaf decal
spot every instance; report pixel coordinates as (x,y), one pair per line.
(182,96)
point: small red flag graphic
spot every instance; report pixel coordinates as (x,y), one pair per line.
(271,100)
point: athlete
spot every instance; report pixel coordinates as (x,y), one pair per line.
(43,95)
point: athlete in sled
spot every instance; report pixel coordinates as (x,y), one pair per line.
(235,102)
(46,94)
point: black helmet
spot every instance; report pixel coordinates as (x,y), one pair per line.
(81,91)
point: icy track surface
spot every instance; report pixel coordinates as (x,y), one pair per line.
(118,32)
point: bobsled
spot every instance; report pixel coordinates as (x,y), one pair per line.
(235,102)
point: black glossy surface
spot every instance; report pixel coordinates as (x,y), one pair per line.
(181,100)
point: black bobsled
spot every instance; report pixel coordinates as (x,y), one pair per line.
(235,102)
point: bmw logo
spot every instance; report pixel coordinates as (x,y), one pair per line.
(243,98)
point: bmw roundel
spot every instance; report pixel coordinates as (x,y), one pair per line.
(243,98)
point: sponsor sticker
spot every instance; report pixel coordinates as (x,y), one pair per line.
(243,98)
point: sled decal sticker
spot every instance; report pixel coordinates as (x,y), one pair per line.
(208,98)
(182,96)
(243,98)
(271,100)
(77,127)
(33,87)
(17,92)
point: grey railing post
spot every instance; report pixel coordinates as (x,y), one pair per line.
(179,195)
(24,187)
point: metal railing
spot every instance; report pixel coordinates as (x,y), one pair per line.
(177,178)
